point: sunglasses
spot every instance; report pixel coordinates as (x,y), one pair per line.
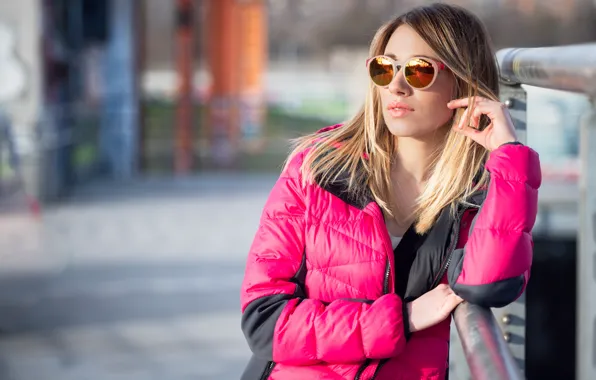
(420,73)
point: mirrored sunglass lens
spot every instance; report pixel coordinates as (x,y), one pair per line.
(419,73)
(381,71)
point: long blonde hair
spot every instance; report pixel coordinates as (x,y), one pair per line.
(365,148)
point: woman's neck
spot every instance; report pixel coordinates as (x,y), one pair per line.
(409,174)
(413,159)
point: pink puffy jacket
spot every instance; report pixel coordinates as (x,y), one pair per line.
(324,293)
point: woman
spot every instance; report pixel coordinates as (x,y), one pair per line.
(378,228)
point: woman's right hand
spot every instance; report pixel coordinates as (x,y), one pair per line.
(432,307)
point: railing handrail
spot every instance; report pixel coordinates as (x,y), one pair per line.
(483,344)
(568,68)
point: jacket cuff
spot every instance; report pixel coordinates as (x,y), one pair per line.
(515,162)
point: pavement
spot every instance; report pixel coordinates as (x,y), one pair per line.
(147,285)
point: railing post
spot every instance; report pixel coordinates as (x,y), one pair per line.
(512,318)
(515,97)
(586,259)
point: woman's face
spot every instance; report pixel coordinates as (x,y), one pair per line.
(426,110)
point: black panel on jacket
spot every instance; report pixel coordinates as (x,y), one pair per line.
(359,196)
(495,294)
(255,369)
(258,323)
(420,259)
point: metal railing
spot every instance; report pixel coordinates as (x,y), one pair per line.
(489,351)
(568,68)
(486,351)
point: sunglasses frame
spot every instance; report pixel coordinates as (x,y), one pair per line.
(437,65)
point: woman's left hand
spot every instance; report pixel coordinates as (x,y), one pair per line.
(498,132)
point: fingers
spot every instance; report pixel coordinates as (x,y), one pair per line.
(457,299)
(454,300)
(472,133)
(449,293)
(475,121)
(471,128)
(450,302)
(477,110)
(454,296)
(467,130)
(465,102)
(463,119)
(480,106)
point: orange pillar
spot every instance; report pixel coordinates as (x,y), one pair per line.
(224,65)
(253,43)
(237,37)
(184,61)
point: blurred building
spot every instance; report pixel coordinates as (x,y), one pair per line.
(21,22)
(78,113)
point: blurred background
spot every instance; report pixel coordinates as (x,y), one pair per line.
(139,140)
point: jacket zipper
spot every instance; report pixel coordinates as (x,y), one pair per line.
(389,250)
(381,364)
(268,370)
(362,369)
(386,281)
(368,362)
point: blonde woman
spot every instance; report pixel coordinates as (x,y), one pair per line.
(378,228)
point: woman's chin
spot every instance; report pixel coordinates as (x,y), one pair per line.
(415,130)
(402,130)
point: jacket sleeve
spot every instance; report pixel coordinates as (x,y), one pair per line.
(493,267)
(278,320)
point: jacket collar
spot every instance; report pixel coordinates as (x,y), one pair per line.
(359,197)
(362,196)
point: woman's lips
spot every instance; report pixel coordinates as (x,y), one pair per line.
(397,109)
(399,112)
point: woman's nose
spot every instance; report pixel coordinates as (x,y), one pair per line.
(399,86)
